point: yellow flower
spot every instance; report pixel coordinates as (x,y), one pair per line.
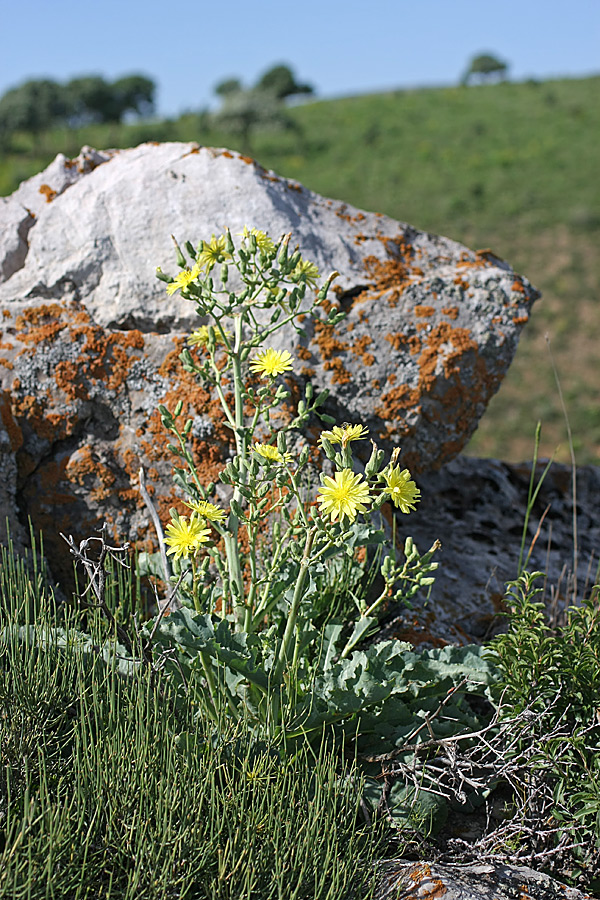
(343,434)
(183,280)
(343,496)
(213,252)
(306,272)
(208,510)
(272,454)
(263,241)
(402,490)
(199,337)
(271,362)
(185,537)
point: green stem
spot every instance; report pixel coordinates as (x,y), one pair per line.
(293,614)
(232,549)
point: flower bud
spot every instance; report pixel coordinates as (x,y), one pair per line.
(179,255)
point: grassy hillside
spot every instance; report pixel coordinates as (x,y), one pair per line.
(513,167)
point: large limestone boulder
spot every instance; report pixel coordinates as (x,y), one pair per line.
(90,339)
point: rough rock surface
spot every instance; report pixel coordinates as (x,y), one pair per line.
(402,880)
(90,340)
(477,509)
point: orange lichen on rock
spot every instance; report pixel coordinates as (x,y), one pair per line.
(423,311)
(48,192)
(459,339)
(359,348)
(303,353)
(328,344)
(40,323)
(67,375)
(15,435)
(450,311)
(341,375)
(87,470)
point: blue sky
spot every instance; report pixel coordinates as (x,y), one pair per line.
(341,47)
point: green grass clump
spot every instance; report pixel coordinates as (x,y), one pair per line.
(550,675)
(112,787)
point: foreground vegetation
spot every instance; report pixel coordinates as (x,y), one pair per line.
(116,785)
(507,166)
(241,733)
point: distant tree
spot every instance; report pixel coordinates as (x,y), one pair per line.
(38,105)
(33,106)
(91,99)
(280,80)
(485,67)
(135,94)
(244,110)
(229,86)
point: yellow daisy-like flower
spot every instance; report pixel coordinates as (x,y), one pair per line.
(343,434)
(208,510)
(263,241)
(183,280)
(271,362)
(343,496)
(213,252)
(272,454)
(306,272)
(199,337)
(184,538)
(401,488)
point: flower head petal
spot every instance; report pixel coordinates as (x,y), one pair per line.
(343,496)
(403,491)
(183,280)
(208,510)
(270,362)
(343,434)
(184,537)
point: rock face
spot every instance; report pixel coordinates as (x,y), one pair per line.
(90,340)
(402,880)
(477,509)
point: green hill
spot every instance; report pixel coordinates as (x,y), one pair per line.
(509,166)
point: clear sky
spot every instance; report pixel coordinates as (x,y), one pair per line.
(341,47)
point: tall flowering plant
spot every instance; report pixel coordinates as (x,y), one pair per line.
(249,570)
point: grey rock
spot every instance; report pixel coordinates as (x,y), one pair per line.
(477,509)
(431,326)
(90,339)
(403,880)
